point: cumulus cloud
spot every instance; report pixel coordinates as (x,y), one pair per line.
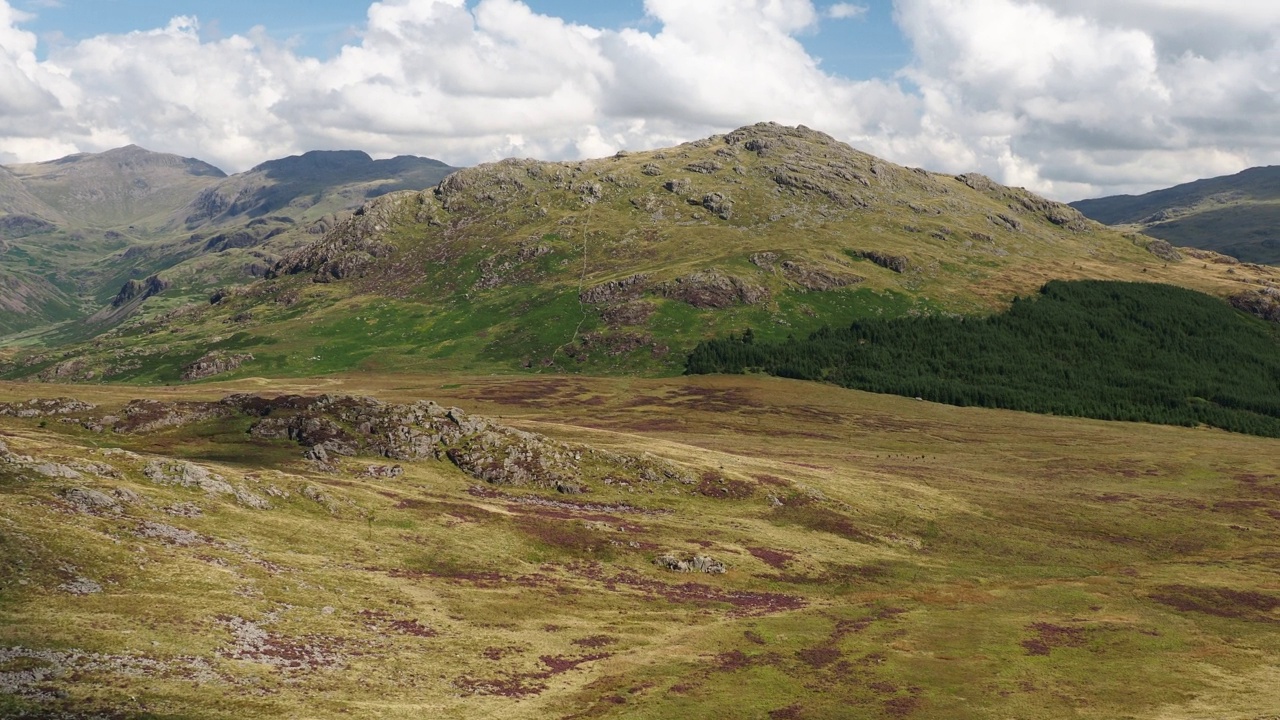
(1068,97)
(1080,97)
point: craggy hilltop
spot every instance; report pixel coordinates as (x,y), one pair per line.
(623,264)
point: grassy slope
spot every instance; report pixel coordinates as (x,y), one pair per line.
(961,563)
(486,273)
(1236,215)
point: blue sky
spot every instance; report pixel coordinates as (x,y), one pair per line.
(866,46)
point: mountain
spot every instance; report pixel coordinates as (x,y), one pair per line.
(623,264)
(301,181)
(1237,215)
(18,206)
(117,188)
(75,231)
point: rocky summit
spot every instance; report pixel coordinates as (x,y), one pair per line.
(623,264)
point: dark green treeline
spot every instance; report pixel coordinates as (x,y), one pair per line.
(1108,350)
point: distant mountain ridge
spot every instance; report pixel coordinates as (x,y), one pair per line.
(118,187)
(74,231)
(275,184)
(1237,215)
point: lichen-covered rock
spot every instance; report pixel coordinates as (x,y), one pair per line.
(1163,250)
(354,245)
(1260,302)
(718,203)
(145,416)
(214,363)
(896,263)
(765,260)
(56,470)
(697,563)
(628,313)
(81,586)
(140,289)
(714,289)
(706,167)
(1057,213)
(45,407)
(168,533)
(90,501)
(188,475)
(627,288)
(814,277)
(328,426)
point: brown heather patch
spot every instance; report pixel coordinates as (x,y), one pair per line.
(387,622)
(540,393)
(819,657)
(558,665)
(709,400)
(774,480)
(773,558)
(732,660)
(810,466)
(1261,485)
(1050,636)
(790,712)
(462,511)
(562,503)
(1219,601)
(1239,505)
(520,685)
(714,485)
(743,603)
(822,520)
(501,653)
(570,537)
(655,425)
(901,707)
(596,641)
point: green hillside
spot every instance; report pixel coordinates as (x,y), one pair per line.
(1237,215)
(624,264)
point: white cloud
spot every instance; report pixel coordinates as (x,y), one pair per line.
(1068,97)
(1082,97)
(846,11)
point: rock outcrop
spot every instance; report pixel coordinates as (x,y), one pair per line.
(896,263)
(695,564)
(1262,302)
(214,363)
(140,290)
(714,289)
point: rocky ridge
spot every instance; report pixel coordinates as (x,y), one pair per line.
(331,428)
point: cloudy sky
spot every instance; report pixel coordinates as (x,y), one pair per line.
(1072,98)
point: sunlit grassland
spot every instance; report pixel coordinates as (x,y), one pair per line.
(926,561)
